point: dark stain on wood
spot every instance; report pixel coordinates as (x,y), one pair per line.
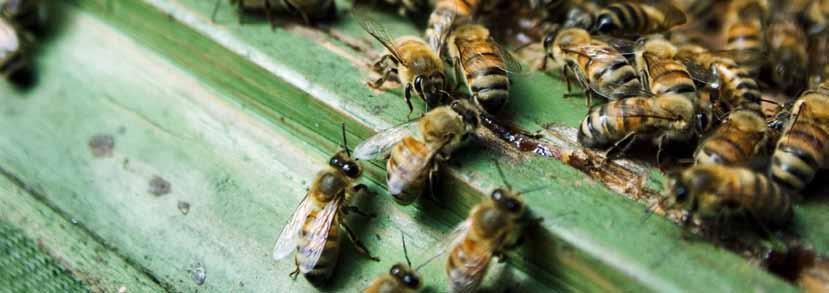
(159,186)
(101,145)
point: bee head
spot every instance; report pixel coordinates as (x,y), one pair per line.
(405,276)
(342,162)
(431,88)
(506,200)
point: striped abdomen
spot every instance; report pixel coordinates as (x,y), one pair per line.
(446,14)
(747,40)
(483,68)
(631,18)
(666,76)
(324,267)
(801,150)
(738,87)
(734,142)
(407,170)
(465,274)
(610,76)
(759,198)
(608,123)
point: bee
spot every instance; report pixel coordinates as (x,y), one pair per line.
(12,52)
(313,231)
(661,72)
(736,141)
(411,61)
(802,149)
(636,18)
(818,58)
(789,58)
(309,10)
(669,117)
(492,227)
(416,148)
(744,32)
(401,278)
(598,67)
(29,14)
(732,84)
(449,14)
(483,64)
(717,193)
(816,15)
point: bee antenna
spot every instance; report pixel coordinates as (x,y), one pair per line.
(501,173)
(405,251)
(534,189)
(215,10)
(428,261)
(772,102)
(345,141)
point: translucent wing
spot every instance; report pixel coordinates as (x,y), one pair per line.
(475,262)
(622,46)
(379,33)
(512,65)
(594,50)
(444,244)
(379,146)
(288,238)
(698,72)
(318,235)
(441,27)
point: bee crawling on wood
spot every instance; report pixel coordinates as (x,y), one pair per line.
(314,229)
(401,278)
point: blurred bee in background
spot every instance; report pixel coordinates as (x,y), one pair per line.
(802,149)
(787,45)
(411,61)
(818,58)
(596,65)
(483,64)
(800,265)
(416,148)
(661,119)
(309,10)
(28,14)
(718,194)
(636,18)
(696,11)
(492,228)
(815,15)
(400,279)
(12,49)
(736,141)
(744,33)
(313,231)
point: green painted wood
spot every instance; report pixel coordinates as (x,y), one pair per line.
(43,251)
(214,109)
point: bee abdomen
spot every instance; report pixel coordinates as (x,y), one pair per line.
(405,180)
(798,156)
(490,87)
(462,275)
(618,78)
(610,122)
(324,267)
(619,17)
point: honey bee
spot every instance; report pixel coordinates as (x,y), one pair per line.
(636,18)
(12,57)
(745,33)
(449,14)
(493,227)
(414,149)
(400,279)
(661,72)
(717,193)
(789,58)
(818,58)
(732,84)
(598,67)
(816,15)
(309,10)
(736,141)
(802,149)
(313,231)
(483,64)
(669,117)
(411,61)
(29,14)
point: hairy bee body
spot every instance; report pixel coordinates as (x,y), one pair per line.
(483,66)
(736,87)
(326,187)
(637,18)
(736,141)
(492,227)
(667,117)
(662,72)
(596,65)
(715,192)
(802,148)
(400,279)
(418,59)
(787,46)
(408,169)
(448,13)
(745,34)
(11,51)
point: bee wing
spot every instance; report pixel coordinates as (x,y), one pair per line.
(318,235)
(475,262)
(698,72)
(673,15)
(287,241)
(622,46)
(378,31)
(442,32)
(379,146)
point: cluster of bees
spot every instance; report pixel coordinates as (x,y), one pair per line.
(20,20)
(669,73)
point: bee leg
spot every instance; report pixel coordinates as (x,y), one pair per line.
(456,63)
(659,150)
(215,10)
(407,95)
(432,181)
(295,273)
(354,209)
(268,13)
(614,150)
(361,248)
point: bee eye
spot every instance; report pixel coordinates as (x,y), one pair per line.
(395,270)
(702,122)
(497,195)
(334,162)
(411,281)
(680,192)
(351,169)
(418,83)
